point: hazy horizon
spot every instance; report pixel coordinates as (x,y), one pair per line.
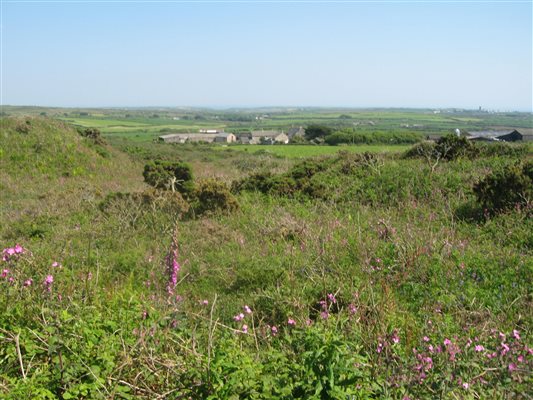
(415,55)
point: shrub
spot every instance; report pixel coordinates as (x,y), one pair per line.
(93,134)
(133,205)
(422,150)
(211,195)
(507,188)
(451,147)
(175,176)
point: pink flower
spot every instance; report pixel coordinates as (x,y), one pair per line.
(48,282)
(332,298)
(505,349)
(247,310)
(447,342)
(324,315)
(380,347)
(425,339)
(512,367)
(492,355)
(245,329)
(205,302)
(10,251)
(238,317)
(395,337)
(5,272)
(56,264)
(479,348)
(274,330)
(516,334)
(520,358)
(352,308)
(18,249)
(430,348)
(291,322)
(466,385)
(28,282)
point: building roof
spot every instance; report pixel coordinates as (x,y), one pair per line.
(265,133)
(224,134)
(490,134)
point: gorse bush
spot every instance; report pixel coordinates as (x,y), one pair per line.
(93,134)
(210,195)
(506,188)
(175,176)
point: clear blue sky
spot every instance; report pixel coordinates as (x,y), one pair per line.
(360,54)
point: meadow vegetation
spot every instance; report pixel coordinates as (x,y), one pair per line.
(144,270)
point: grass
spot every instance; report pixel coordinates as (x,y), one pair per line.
(350,265)
(303,151)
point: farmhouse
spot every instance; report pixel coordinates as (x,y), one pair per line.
(225,137)
(511,135)
(188,137)
(296,132)
(264,137)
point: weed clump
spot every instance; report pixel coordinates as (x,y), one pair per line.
(507,188)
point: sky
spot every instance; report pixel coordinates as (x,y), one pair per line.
(420,54)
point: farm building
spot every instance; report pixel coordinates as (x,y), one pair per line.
(225,137)
(264,137)
(511,135)
(188,137)
(296,132)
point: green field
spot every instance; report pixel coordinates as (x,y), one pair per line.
(302,151)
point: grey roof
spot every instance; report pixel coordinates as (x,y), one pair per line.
(490,134)
(265,133)
(224,134)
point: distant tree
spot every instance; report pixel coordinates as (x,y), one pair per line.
(317,131)
(345,116)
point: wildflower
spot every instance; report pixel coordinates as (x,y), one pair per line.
(274,330)
(492,355)
(18,249)
(205,302)
(332,298)
(48,282)
(466,385)
(512,367)
(380,347)
(430,348)
(479,348)
(238,317)
(505,349)
(516,334)
(352,308)
(173,267)
(56,264)
(5,272)
(247,310)
(447,342)
(425,339)
(395,337)
(520,358)
(324,315)
(245,328)
(28,282)
(291,322)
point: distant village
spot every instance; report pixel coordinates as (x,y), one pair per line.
(253,137)
(269,137)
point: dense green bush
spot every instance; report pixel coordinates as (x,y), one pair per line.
(211,195)
(506,188)
(351,136)
(451,147)
(169,175)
